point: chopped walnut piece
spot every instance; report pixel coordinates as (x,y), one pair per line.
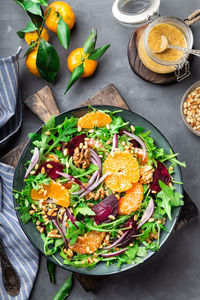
(146,174)
(100,194)
(81,157)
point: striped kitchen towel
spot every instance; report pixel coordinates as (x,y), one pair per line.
(22,254)
(10,97)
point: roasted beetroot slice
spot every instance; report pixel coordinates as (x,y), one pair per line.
(135,143)
(105,208)
(51,172)
(129,237)
(161,173)
(75,142)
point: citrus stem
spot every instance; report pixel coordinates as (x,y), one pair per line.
(39,32)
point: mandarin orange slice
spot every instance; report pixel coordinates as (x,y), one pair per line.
(52,157)
(88,243)
(124,171)
(139,153)
(92,119)
(55,190)
(132,200)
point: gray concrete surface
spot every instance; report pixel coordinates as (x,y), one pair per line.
(174,272)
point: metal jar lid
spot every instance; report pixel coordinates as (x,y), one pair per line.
(135,12)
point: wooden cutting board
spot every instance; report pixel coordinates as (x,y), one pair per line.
(43,104)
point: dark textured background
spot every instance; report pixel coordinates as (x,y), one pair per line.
(174,272)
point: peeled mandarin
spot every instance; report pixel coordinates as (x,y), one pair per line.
(132,199)
(124,171)
(94,119)
(55,190)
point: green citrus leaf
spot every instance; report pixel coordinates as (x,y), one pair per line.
(76,74)
(33,8)
(97,53)
(20,3)
(36,19)
(90,43)
(42,2)
(29,28)
(47,61)
(63,33)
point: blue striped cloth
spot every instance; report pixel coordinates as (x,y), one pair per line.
(10,97)
(20,251)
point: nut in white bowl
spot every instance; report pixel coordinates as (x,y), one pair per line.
(190,108)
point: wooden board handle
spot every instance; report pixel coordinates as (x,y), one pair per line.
(43,104)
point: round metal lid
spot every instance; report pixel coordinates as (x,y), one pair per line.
(134,12)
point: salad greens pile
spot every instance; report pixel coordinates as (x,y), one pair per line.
(122,238)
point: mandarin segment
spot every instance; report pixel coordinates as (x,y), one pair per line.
(55,190)
(94,119)
(52,157)
(139,153)
(88,243)
(132,199)
(124,171)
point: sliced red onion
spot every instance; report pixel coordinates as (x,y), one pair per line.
(93,186)
(114,253)
(71,217)
(135,137)
(63,223)
(61,232)
(97,159)
(114,144)
(34,161)
(90,182)
(117,242)
(71,178)
(147,213)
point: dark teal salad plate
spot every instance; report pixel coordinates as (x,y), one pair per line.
(29,228)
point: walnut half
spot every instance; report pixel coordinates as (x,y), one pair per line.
(81,157)
(146,174)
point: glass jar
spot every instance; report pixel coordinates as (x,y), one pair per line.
(155,64)
(135,13)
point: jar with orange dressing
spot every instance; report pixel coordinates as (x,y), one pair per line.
(177,33)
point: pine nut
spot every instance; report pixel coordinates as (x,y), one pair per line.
(111,217)
(49,166)
(47,133)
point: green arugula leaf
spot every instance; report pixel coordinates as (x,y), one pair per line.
(117,124)
(66,129)
(97,53)
(29,28)
(131,253)
(41,141)
(89,45)
(84,210)
(138,130)
(168,198)
(73,232)
(141,252)
(37,181)
(49,247)
(63,33)
(76,74)
(47,61)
